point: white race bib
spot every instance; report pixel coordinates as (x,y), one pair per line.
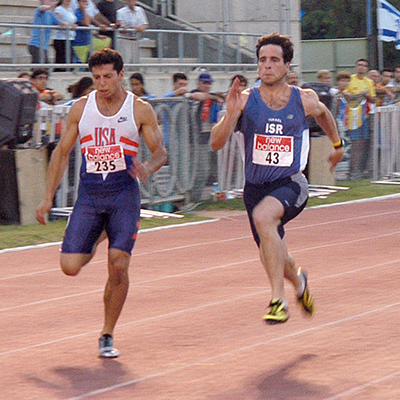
(274,151)
(105,159)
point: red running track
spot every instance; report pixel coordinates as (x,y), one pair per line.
(191,328)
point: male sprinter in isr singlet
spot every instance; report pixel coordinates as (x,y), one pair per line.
(272,119)
(109,123)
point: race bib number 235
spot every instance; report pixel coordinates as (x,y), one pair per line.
(274,151)
(105,159)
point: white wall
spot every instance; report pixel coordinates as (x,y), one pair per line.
(253,16)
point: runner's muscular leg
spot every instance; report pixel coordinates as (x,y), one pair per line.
(116,288)
(291,272)
(72,263)
(273,252)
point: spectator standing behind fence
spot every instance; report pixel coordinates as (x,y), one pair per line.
(108,10)
(79,89)
(384,95)
(94,13)
(387,75)
(63,38)
(81,44)
(394,84)
(39,80)
(179,84)
(292,78)
(340,112)
(208,108)
(40,38)
(360,93)
(130,17)
(137,85)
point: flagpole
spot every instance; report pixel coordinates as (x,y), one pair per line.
(380,44)
(380,55)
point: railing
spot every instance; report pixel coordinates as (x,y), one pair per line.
(386,142)
(209,49)
(179,124)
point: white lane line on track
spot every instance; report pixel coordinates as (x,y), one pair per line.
(39,246)
(364,386)
(136,284)
(230,353)
(179,312)
(219,242)
(381,198)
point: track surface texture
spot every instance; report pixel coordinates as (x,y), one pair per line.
(191,327)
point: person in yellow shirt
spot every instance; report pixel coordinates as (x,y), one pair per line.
(360,94)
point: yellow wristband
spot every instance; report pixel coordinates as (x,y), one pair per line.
(338,144)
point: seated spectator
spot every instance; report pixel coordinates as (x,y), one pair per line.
(39,79)
(137,86)
(81,88)
(81,44)
(40,38)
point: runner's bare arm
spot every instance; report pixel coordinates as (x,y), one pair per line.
(146,121)
(235,102)
(59,159)
(325,119)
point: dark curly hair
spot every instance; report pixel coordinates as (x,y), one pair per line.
(278,40)
(106,56)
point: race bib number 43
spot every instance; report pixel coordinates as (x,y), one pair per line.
(104,159)
(274,151)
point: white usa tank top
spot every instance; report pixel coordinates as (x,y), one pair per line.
(108,143)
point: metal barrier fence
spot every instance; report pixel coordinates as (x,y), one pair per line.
(386,142)
(179,124)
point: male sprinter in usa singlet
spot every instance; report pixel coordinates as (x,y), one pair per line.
(272,119)
(109,123)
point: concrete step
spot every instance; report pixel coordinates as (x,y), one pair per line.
(18,7)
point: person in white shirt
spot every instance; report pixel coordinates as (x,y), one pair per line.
(64,51)
(130,17)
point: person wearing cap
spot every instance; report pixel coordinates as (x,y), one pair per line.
(209,106)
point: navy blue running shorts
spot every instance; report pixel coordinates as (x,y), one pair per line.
(117,212)
(292,192)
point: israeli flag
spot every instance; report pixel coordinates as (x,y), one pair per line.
(388,23)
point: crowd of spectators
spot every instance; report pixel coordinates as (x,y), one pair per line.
(352,98)
(117,28)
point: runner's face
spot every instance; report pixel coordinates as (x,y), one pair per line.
(106,79)
(271,66)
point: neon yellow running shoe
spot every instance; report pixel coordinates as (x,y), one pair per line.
(306,300)
(277,313)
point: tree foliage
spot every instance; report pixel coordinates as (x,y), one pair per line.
(333,19)
(337,19)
